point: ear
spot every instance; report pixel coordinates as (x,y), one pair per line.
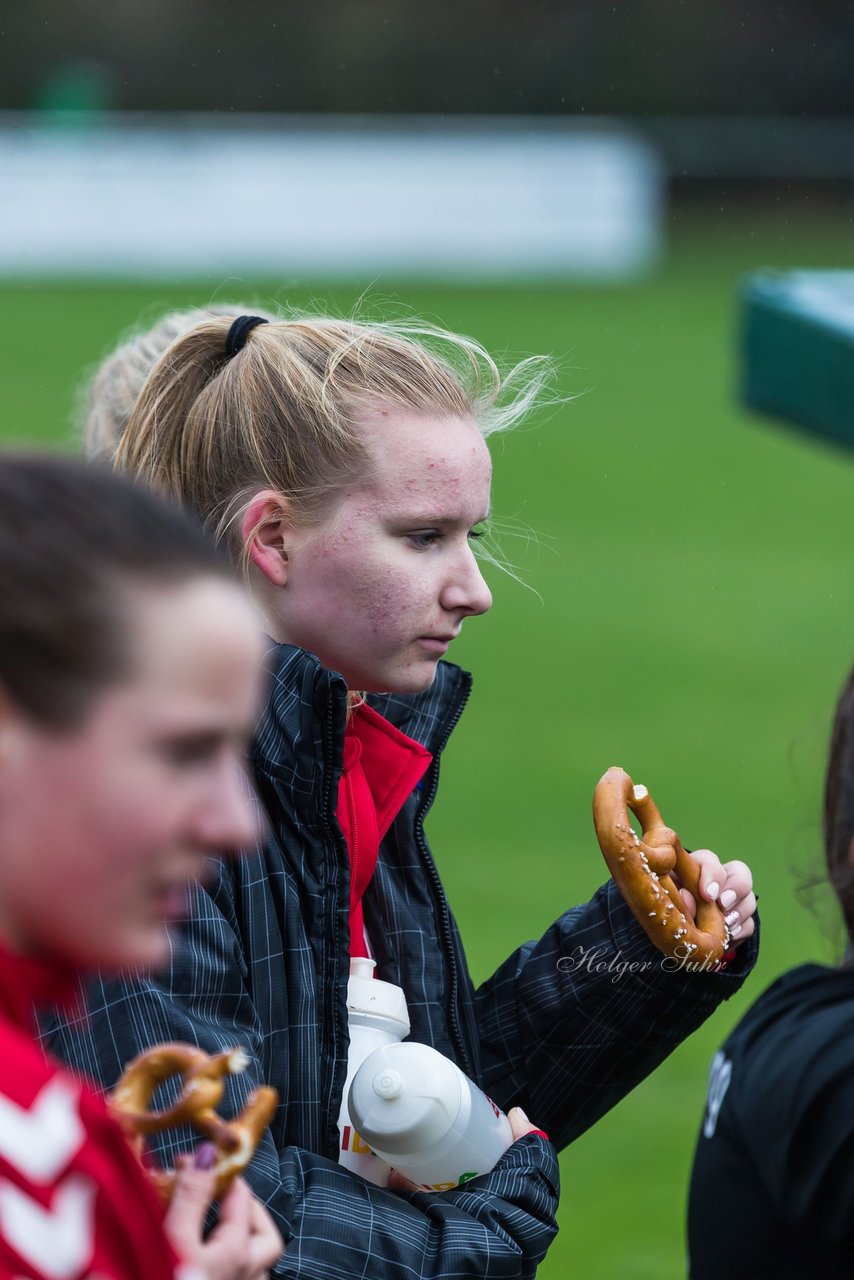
(266,530)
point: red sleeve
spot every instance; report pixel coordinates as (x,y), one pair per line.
(74,1200)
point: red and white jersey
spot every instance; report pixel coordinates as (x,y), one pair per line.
(75,1203)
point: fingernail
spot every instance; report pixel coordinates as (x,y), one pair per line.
(728,898)
(736,931)
(205,1157)
(732,918)
(522,1116)
(713,890)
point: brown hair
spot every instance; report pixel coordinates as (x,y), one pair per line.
(74,537)
(283,412)
(839,805)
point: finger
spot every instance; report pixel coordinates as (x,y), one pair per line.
(741,912)
(747,907)
(690,903)
(235,1210)
(740,918)
(519,1123)
(399,1182)
(737,884)
(227,1250)
(266,1244)
(712,874)
(191,1198)
(743,931)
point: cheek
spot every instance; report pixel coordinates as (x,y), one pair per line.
(364,594)
(120,825)
(395,609)
(385,606)
(108,858)
(366,589)
(99,838)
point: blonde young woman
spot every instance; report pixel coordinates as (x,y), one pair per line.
(345,466)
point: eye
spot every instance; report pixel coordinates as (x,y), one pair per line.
(474,534)
(189,750)
(424,538)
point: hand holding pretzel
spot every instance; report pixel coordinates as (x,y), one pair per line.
(243,1245)
(204,1075)
(690,906)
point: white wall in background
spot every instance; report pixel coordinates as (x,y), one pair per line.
(465,200)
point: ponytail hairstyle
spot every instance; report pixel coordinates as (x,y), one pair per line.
(284,411)
(107,400)
(839,805)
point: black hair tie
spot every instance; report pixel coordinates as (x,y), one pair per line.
(239,331)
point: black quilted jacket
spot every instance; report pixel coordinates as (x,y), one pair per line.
(264,963)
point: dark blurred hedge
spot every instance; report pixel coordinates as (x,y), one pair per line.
(658,56)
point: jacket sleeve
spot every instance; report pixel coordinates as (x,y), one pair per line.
(568,1025)
(499,1225)
(333,1222)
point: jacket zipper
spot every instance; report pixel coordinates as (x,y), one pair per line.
(354,830)
(331,1004)
(439,892)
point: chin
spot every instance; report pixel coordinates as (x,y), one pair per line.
(412,682)
(416,681)
(133,955)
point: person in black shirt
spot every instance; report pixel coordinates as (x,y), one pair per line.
(772,1188)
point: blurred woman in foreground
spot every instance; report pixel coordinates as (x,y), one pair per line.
(129,680)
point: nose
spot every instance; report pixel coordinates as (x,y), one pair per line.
(465,591)
(229,819)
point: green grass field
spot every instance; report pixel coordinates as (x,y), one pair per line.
(691,618)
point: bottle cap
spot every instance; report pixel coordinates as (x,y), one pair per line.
(371,997)
(404,1098)
(388,1084)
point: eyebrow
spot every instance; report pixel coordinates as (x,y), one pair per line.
(426,520)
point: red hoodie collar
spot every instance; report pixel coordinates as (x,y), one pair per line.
(392,763)
(382,766)
(28,983)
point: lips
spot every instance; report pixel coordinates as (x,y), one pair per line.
(172,902)
(435,644)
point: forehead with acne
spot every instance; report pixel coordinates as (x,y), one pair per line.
(435,468)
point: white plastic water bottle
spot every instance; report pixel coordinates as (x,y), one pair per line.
(377,1016)
(423,1116)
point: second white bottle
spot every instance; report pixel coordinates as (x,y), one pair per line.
(422,1115)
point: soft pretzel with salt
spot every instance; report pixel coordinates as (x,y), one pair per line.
(204,1077)
(643,868)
